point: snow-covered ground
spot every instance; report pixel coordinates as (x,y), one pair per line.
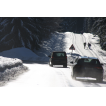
(60,42)
(40,74)
(10,68)
(20,53)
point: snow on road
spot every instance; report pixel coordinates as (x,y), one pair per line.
(40,74)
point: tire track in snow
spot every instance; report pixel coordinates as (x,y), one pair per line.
(63,78)
(77,49)
(83,37)
(75,44)
(93,51)
(90,51)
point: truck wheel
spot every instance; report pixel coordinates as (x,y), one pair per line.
(65,65)
(50,63)
(100,79)
(74,76)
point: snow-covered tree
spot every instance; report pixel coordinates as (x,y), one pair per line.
(26,31)
(97,26)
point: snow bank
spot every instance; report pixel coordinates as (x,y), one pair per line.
(20,53)
(8,63)
(11,74)
(10,68)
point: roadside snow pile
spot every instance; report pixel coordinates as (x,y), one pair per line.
(10,68)
(9,63)
(20,53)
(11,74)
(24,54)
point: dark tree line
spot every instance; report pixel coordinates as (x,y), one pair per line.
(97,26)
(94,25)
(30,31)
(26,31)
(73,24)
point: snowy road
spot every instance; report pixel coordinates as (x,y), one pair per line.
(42,75)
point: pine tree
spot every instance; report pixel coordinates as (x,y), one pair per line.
(26,31)
(98,27)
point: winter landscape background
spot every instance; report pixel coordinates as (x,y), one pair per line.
(23,38)
(29,32)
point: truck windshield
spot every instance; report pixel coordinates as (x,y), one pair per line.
(58,54)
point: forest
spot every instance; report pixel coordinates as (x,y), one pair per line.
(30,31)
